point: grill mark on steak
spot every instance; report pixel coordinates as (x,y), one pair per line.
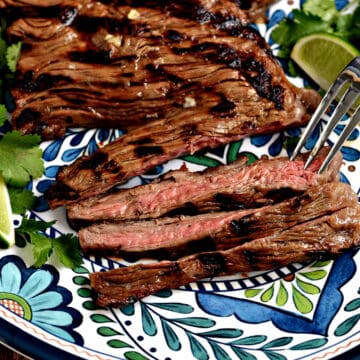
(103,64)
(254,71)
(234,186)
(170,237)
(143,151)
(175,138)
(326,236)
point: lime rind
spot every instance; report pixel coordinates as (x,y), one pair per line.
(323,57)
(7,232)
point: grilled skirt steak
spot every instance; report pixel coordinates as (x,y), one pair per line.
(229,187)
(172,237)
(325,236)
(193,65)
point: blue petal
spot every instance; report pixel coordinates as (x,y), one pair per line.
(48,300)
(276,17)
(294,132)
(103,134)
(52,317)
(10,278)
(41,204)
(52,151)
(260,140)
(344,179)
(353,136)
(350,154)
(51,171)
(58,332)
(71,154)
(340,4)
(313,138)
(44,185)
(36,283)
(276,147)
(76,140)
(92,146)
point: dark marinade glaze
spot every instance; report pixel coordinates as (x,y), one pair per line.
(71,15)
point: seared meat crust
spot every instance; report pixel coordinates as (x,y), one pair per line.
(123,64)
(326,235)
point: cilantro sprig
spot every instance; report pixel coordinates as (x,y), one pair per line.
(20,161)
(20,158)
(65,247)
(318,16)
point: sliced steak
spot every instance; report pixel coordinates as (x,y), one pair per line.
(173,237)
(225,187)
(92,64)
(194,71)
(325,236)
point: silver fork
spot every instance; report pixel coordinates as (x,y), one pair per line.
(350,75)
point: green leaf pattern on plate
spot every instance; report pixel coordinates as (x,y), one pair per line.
(347,325)
(179,324)
(300,288)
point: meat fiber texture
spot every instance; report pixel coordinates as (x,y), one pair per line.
(179,76)
(178,236)
(226,187)
(108,64)
(119,219)
(332,228)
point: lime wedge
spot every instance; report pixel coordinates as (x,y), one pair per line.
(323,57)
(7,233)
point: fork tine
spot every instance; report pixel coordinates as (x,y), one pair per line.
(343,106)
(353,121)
(324,104)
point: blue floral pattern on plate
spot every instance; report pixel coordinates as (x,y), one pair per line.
(34,295)
(298,311)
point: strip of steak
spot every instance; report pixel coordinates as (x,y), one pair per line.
(120,64)
(173,237)
(326,236)
(225,187)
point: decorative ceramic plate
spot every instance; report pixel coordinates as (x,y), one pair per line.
(301,311)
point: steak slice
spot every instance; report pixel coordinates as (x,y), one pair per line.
(120,64)
(325,236)
(174,237)
(225,187)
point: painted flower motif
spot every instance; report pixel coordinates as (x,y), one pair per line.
(34,295)
(299,288)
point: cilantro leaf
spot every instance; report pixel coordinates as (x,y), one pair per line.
(325,9)
(354,26)
(21,200)
(67,249)
(12,55)
(20,158)
(3,47)
(30,226)
(290,30)
(3,114)
(42,248)
(317,16)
